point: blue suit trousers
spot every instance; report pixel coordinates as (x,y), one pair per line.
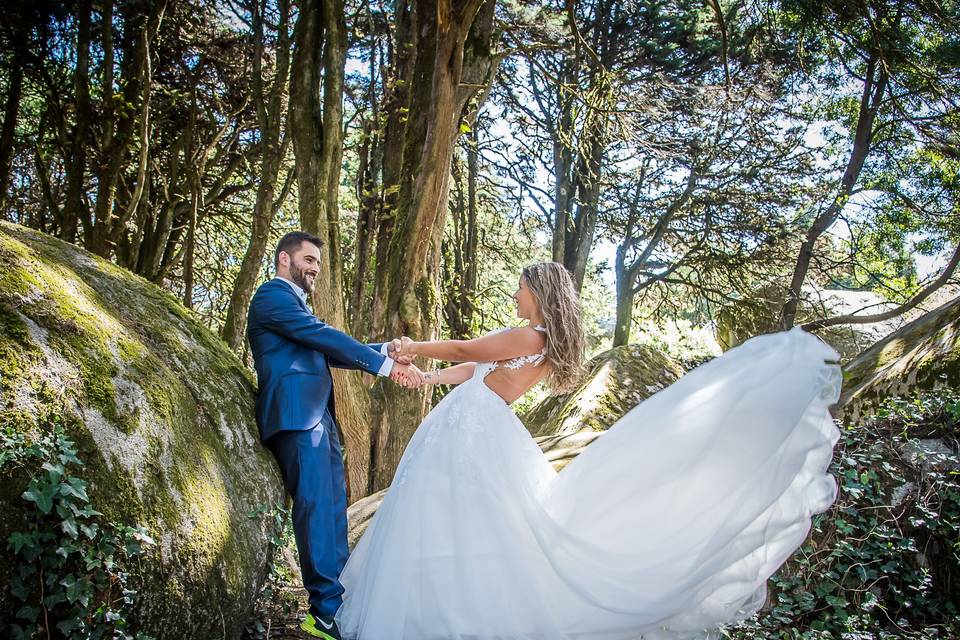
(311,463)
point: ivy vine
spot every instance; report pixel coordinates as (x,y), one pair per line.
(69,579)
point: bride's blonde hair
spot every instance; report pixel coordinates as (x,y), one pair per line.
(552,286)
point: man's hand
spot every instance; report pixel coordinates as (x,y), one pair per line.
(407,375)
(394,351)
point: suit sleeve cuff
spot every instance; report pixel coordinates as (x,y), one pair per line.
(386,367)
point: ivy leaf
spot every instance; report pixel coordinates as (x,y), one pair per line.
(69,526)
(18,540)
(19,633)
(26,570)
(66,509)
(19,589)
(70,457)
(68,625)
(41,495)
(28,613)
(54,599)
(90,531)
(74,487)
(78,591)
(88,512)
(56,471)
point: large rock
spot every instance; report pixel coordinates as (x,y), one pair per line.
(615,381)
(760,314)
(924,354)
(162,413)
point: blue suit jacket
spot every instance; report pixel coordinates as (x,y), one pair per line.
(293,352)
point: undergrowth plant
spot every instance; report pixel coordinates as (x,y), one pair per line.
(70,576)
(884,561)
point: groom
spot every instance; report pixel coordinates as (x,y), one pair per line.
(293,352)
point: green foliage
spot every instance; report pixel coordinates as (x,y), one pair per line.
(70,576)
(884,561)
(280,524)
(281,536)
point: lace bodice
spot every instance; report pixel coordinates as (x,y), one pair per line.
(520,361)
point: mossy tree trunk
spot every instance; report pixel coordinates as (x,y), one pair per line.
(443,58)
(75,140)
(119,119)
(316,121)
(274,142)
(11,111)
(460,250)
(368,182)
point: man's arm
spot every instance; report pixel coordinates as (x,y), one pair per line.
(385,348)
(281,313)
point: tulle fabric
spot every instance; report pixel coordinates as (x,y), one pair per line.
(663,528)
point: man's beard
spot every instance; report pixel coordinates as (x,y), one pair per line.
(300,279)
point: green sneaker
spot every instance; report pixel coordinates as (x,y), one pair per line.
(323,627)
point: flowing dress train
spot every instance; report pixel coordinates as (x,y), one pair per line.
(667,525)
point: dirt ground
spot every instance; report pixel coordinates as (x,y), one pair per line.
(278,617)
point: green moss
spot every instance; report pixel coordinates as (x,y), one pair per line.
(13,278)
(17,353)
(426,297)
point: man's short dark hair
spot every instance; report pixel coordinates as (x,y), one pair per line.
(290,242)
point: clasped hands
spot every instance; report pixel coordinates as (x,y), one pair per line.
(404,372)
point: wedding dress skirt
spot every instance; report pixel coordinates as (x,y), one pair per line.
(664,527)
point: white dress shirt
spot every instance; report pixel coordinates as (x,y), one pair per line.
(387,365)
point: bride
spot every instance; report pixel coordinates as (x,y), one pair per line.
(663,528)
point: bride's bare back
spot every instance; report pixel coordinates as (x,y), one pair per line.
(512,378)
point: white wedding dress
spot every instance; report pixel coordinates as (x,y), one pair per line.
(664,527)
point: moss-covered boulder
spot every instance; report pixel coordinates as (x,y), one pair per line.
(922,355)
(615,381)
(759,314)
(162,413)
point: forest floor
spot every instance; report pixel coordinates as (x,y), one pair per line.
(279,617)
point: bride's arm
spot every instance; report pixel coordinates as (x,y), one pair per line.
(451,375)
(502,345)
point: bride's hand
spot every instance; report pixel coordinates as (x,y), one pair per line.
(403,348)
(397,352)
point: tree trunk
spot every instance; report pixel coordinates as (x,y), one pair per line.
(470,250)
(449,39)
(10,112)
(453,251)
(140,26)
(580,242)
(119,227)
(75,163)
(189,251)
(624,320)
(320,44)
(269,108)
(368,184)
(562,163)
(874,88)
